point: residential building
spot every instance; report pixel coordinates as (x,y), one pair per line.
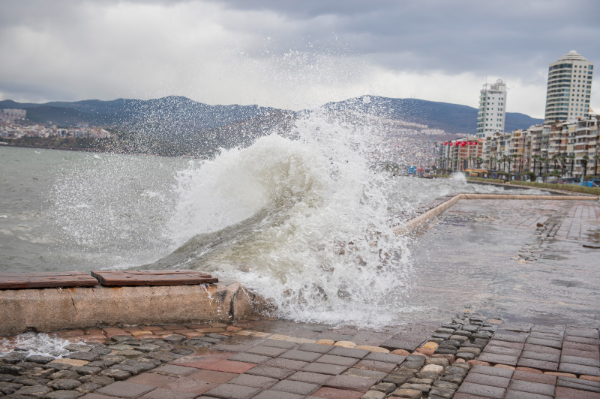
(492,109)
(569,88)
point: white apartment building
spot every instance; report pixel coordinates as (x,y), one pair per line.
(492,109)
(569,88)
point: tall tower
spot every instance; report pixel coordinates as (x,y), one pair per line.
(492,109)
(569,88)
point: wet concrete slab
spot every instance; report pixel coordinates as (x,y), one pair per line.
(514,258)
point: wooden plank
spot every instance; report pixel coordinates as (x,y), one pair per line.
(152,278)
(40,280)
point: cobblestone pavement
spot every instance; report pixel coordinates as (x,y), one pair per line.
(468,357)
(536,260)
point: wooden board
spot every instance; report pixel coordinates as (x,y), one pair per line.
(152,278)
(41,280)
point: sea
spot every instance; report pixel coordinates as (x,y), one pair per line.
(304,221)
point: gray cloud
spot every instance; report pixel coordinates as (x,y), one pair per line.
(289,53)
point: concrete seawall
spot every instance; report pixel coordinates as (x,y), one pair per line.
(46,310)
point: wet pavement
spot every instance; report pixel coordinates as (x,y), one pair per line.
(523,260)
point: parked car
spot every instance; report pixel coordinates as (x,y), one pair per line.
(570,181)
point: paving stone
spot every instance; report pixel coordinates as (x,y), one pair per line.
(376,365)
(337,360)
(531,377)
(507,337)
(580,347)
(161,393)
(65,374)
(274,394)
(445,385)
(249,358)
(273,372)
(386,357)
(557,344)
(64,384)
(454,370)
(393,344)
(63,394)
(457,379)
(580,360)
(498,359)
(234,367)
(493,371)
(568,393)
(279,343)
(501,343)
(373,394)
(190,385)
(582,332)
(328,369)
(580,384)
(298,387)
(385,387)
(88,388)
(577,353)
(515,394)
(416,386)
(481,390)
(86,370)
(212,376)
(538,364)
(350,382)
(152,379)
(541,349)
(532,387)
(439,393)
(397,380)
(266,351)
(541,356)
(579,369)
(407,394)
(315,348)
(507,351)
(333,393)
(488,380)
(261,382)
(584,340)
(175,370)
(99,380)
(346,352)
(128,390)
(365,373)
(459,338)
(116,374)
(310,377)
(285,363)
(229,391)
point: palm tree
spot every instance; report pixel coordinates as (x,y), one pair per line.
(563,164)
(584,163)
(596,157)
(510,158)
(572,158)
(555,159)
(535,158)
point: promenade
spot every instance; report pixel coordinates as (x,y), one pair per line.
(503,303)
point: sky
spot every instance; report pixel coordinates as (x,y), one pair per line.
(290,54)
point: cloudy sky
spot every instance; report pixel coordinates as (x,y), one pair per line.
(290,54)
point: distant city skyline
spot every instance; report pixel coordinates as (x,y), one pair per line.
(290,54)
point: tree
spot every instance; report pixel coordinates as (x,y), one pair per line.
(535,158)
(555,159)
(563,164)
(596,157)
(572,158)
(584,163)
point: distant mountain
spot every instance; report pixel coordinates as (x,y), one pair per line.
(175,116)
(452,118)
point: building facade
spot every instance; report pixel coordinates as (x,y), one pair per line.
(569,88)
(492,109)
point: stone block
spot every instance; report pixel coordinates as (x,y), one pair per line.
(271,372)
(212,376)
(161,393)
(315,348)
(407,394)
(481,390)
(580,384)
(541,356)
(537,364)
(388,358)
(493,371)
(373,394)
(590,362)
(128,390)
(579,369)
(267,351)
(305,356)
(515,394)
(297,387)
(498,359)
(488,380)
(345,352)
(328,369)
(275,394)
(333,393)
(365,373)
(286,363)
(310,377)
(229,391)
(533,387)
(375,365)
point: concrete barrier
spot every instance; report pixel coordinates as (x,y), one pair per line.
(46,310)
(422,219)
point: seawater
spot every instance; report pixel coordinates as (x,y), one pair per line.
(304,220)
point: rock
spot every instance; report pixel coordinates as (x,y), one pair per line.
(445,330)
(466,356)
(63,394)
(69,361)
(455,370)
(64,384)
(37,391)
(415,386)
(443,350)
(451,326)
(133,369)
(129,353)
(453,378)
(29,381)
(6,378)
(182,352)
(120,338)
(111,360)
(444,362)
(198,343)
(120,347)
(444,336)
(88,388)
(40,359)
(162,356)
(494,321)
(400,352)
(431,345)
(474,350)
(445,385)
(145,360)
(425,352)
(60,366)
(85,356)
(459,338)
(116,374)
(7,388)
(373,349)
(373,394)
(504,366)
(385,387)
(148,348)
(87,370)
(174,338)
(408,393)
(396,379)
(78,348)
(421,381)
(346,344)
(470,328)
(14,357)
(328,342)
(64,374)
(527,369)
(439,393)
(436,369)
(96,379)
(10,369)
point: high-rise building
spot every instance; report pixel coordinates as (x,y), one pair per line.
(492,109)
(569,88)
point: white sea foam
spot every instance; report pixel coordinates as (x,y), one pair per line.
(38,344)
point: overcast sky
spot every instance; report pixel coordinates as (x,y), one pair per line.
(290,54)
